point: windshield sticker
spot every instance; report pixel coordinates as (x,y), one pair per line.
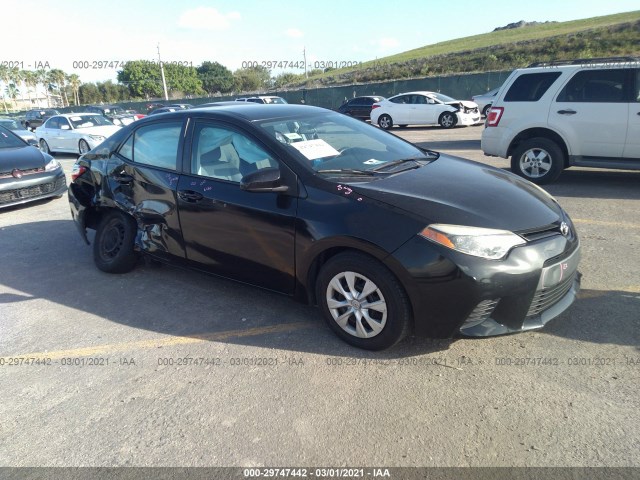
(373,161)
(294,137)
(313,149)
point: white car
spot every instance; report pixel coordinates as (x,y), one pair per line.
(74,132)
(424,108)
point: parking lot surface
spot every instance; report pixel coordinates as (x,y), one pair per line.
(163,367)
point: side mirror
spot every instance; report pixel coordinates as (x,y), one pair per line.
(263,180)
(33,142)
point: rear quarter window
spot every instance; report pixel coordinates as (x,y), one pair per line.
(530,87)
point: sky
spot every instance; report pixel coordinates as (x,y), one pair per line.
(55,34)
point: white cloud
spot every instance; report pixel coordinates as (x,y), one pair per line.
(207,18)
(293,33)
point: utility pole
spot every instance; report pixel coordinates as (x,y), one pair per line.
(304,56)
(164,83)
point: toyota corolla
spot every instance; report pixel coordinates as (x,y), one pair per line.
(384,237)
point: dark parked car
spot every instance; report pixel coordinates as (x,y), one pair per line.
(182,106)
(152,106)
(35,118)
(165,110)
(26,173)
(118,115)
(359,107)
(385,237)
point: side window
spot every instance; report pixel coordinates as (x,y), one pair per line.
(53,123)
(530,87)
(595,86)
(155,145)
(225,154)
(401,99)
(367,102)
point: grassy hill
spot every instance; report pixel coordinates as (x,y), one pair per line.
(611,35)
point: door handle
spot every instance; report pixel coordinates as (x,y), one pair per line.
(190,196)
(567,112)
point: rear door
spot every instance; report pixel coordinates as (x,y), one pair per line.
(592,112)
(401,109)
(632,147)
(143,177)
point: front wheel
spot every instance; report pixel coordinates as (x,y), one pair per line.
(113,244)
(44,146)
(539,160)
(385,122)
(363,302)
(448,120)
(83,146)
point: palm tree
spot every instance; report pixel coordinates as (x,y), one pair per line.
(12,92)
(42,79)
(74,81)
(58,77)
(4,77)
(30,81)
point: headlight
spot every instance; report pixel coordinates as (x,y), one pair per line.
(97,138)
(479,242)
(52,165)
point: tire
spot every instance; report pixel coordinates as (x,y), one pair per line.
(83,146)
(485,110)
(113,244)
(385,122)
(448,120)
(376,328)
(44,146)
(539,160)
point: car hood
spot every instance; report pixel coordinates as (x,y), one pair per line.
(465,103)
(104,130)
(22,158)
(461,192)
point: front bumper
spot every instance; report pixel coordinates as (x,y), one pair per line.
(30,188)
(457,294)
(468,119)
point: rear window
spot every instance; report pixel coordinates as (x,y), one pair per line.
(530,87)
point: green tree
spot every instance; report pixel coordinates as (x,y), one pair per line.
(30,82)
(12,92)
(88,93)
(74,82)
(57,77)
(251,79)
(42,79)
(182,80)
(142,78)
(287,78)
(215,77)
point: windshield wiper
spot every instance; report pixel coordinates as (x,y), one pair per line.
(414,160)
(350,171)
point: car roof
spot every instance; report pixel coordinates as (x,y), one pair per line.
(250,112)
(67,115)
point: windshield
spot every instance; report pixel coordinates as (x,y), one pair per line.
(333,141)
(10,124)
(113,111)
(86,121)
(9,140)
(443,98)
(273,100)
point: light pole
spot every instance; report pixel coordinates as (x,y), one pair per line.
(164,83)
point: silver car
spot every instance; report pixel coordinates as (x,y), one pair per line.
(485,100)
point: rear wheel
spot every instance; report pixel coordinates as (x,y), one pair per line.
(448,120)
(485,110)
(539,160)
(113,244)
(363,302)
(385,122)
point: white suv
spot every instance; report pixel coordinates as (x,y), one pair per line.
(551,116)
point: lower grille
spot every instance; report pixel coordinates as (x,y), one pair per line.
(482,311)
(17,194)
(547,297)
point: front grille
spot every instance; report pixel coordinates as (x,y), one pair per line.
(547,297)
(29,171)
(482,311)
(18,194)
(542,233)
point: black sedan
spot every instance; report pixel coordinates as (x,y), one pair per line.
(26,173)
(386,238)
(359,107)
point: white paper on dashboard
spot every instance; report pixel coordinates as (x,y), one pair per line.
(313,149)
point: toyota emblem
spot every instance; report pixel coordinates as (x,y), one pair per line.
(16,173)
(564,229)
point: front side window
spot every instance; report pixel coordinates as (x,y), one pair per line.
(530,87)
(53,123)
(156,145)
(225,154)
(595,86)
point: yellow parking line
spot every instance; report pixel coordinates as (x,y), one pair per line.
(162,342)
(607,224)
